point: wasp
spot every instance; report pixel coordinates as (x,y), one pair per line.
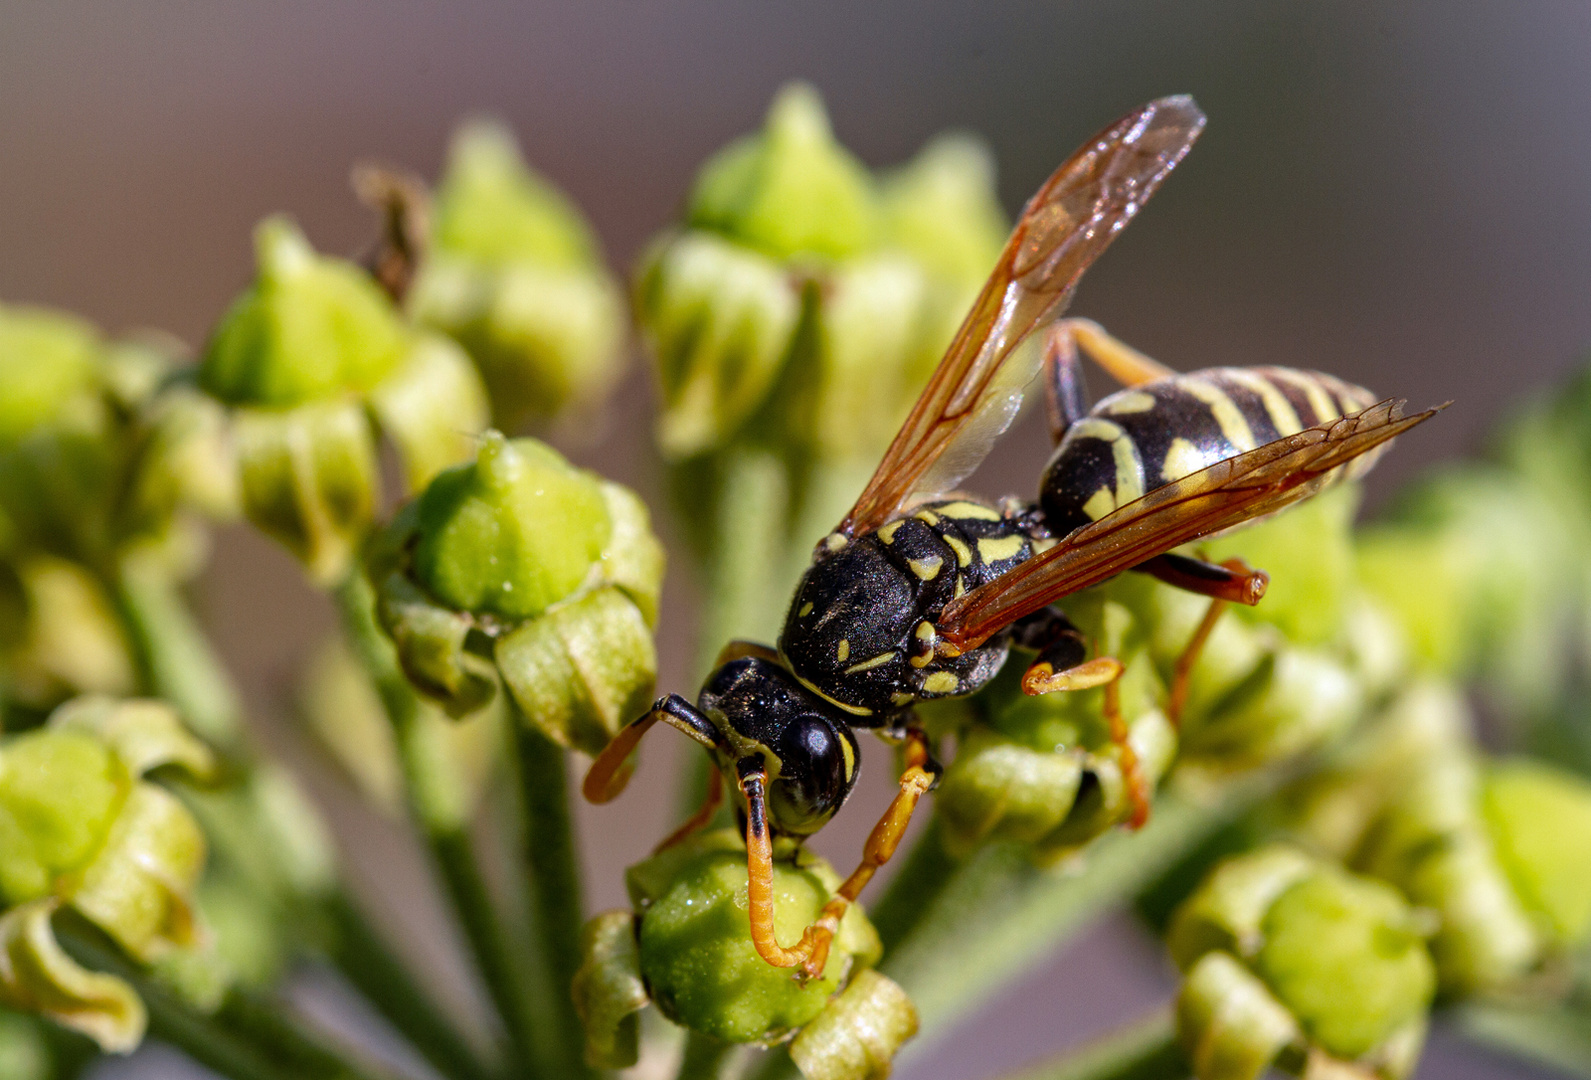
(918,594)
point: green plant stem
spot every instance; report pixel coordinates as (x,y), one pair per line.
(553,885)
(247,1039)
(366,961)
(924,873)
(1146,1050)
(704,1057)
(493,949)
(174,655)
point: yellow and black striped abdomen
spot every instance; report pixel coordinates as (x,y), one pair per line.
(1140,438)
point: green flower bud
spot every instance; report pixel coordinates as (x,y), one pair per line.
(858,1034)
(60,793)
(1539,817)
(49,361)
(512,533)
(143,734)
(790,190)
(695,939)
(66,637)
(188,460)
(523,563)
(431,407)
(515,276)
(310,480)
(309,328)
(609,991)
(942,208)
(1292,960)
(38,977)
(719,322)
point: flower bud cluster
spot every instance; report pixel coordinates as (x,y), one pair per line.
(520,567)
(82,830)
(1481,844)
(106,456)
(1293,963)
(804,300)
(686,947)
(313,359)
(515,276)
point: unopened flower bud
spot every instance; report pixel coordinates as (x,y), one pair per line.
(310,480)
(609,991)
(62,636)
(522,567)
(1291,960)
(309,328)
(1539,818)
(696,951)
(515,276)
(790,190)
(857,1036)
(48,361)
(1019,772)
(431,407)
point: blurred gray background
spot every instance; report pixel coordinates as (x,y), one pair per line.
(1400,194)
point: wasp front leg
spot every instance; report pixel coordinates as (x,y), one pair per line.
(1232,581)
(812,951)
(1061,665)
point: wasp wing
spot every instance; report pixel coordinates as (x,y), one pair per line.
(1226,494)
(970,401)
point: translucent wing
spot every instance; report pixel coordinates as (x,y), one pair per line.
(1227,493)
(969,400)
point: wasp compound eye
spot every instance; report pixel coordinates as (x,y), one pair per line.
(817,768)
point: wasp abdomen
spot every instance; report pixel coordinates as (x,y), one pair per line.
(1137,439)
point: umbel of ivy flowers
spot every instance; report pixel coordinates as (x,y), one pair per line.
(1290,961)
(82,830)
(520,566)
(313,358)
(686,947)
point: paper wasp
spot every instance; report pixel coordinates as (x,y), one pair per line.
(919,594)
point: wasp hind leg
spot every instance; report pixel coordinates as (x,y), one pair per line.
(1060,665)
(812,951)
(1233,581)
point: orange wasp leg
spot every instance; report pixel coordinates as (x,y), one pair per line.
(612,768)
(1106,671)
(1246,582)
(812,951)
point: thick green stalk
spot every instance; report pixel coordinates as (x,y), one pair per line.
(175,657)
(745,549)
(1146,1050)
(557,909)
(447,833)
(366,961)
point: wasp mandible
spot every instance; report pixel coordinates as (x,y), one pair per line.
(919,594)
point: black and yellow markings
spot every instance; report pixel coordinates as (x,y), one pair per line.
(872,662)
(993,549)
(842,651)
(1129,469)
(926,569)
(959,546)
(941,682)
(927,634)
(806,609)
(968,511)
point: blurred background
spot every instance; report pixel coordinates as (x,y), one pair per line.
(1399,194)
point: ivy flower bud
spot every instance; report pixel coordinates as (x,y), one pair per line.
(48,362)
(1019,772)
(1537,814)
(521,563)
(858,1034)
(79,828)
(308,357)
(1290,960)
(309,328)
(695,947)
(609,990)
(515,276)
(61,635)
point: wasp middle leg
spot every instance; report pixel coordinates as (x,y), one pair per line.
(1060,665)
(1232,581)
